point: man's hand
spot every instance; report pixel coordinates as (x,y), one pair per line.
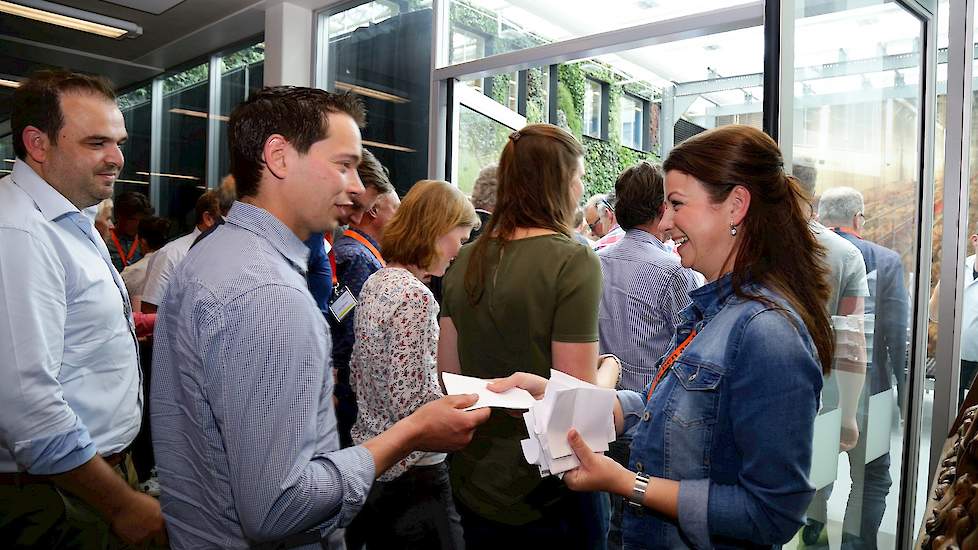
(444,425)
(597,472)
(536,385)
(140,521)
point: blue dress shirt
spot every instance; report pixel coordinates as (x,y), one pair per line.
(70,369)
(320,274)
(354,265)
(645,288)
(243,423)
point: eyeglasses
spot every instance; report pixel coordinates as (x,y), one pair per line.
(607,207)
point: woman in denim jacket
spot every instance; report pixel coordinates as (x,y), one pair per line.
(723,436)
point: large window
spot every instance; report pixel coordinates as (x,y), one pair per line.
(242,72)
(183,154)
(136,107)
(593,104)
(632,117)
(394,85)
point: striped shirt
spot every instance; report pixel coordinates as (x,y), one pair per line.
(243,423)
(645,288)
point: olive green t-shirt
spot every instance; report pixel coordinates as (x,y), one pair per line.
(537,290)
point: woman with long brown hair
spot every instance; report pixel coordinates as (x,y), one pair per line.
(524,297)
(723,440)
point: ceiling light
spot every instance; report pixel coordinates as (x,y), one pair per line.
(177,176)
(9,83)
(388,146)
(72,18)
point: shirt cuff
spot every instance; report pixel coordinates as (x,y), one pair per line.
(694,499)
(356,469)
(56,454)
(632,406)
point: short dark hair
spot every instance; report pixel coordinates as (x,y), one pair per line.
(37,102)
(131,204)
(298,114)
(373,174)
(639,195)
(155,230)
(208,202)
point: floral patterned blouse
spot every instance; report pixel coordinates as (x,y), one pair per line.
(393,368)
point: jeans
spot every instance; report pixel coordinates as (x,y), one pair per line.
(867,501)
(618,450)
(413,511)
(968,371)
(578,520)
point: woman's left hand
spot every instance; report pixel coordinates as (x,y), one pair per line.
(597,472)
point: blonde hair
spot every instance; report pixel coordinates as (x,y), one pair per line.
(431,209)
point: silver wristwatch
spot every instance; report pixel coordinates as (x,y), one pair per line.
(639,490)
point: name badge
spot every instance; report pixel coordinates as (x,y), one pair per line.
(342,305)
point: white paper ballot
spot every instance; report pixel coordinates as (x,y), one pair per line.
(567,403)
(514,398)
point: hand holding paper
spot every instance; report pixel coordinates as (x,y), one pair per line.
(513,398)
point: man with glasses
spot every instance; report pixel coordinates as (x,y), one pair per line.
(599,214)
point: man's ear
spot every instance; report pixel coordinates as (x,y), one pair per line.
(739,204)
(274,154)
(37,143)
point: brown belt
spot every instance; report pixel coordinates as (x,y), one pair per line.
(24,478)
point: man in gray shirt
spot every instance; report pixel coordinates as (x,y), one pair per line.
(243,421)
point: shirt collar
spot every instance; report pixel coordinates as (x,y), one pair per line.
(641,235)
(262,223)
(48,200)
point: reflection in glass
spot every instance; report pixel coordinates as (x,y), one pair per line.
(184,145)
(137,113)
(394,88)
(242,72)
(481,141)
(855,141)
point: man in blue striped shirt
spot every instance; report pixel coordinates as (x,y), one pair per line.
(243,422)
(645,288)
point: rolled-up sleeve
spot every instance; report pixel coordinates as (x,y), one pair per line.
(272,402)
(773,430)
(632,405)
(37,425)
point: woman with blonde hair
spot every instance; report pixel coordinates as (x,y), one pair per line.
(524,296)
(723,435)
(394,370)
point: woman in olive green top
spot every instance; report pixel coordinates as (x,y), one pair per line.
(524,296)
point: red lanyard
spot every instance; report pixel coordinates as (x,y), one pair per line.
(118,246)
(669,361)
(373,249)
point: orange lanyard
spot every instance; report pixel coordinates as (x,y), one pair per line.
(328,237)
(669,361)
(118,246)
(373,249)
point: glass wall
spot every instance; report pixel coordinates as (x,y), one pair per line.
(394,84)
(242,72)
(856,109)
(7,155)
(137,110)
(183,159)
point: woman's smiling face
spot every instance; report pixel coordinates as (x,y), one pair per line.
(699,227)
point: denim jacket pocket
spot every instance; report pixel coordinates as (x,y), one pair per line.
(695,403)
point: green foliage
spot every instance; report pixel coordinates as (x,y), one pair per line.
(473,18)
(134,98)
(185,79)
(240,58)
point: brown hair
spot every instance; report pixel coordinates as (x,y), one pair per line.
(638,195)
(298,114)
(207,202)
(429,210)
(776,246)
(373,174)
(37,102)
(533,190)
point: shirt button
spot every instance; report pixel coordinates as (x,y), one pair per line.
(638,467)
(646,416)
